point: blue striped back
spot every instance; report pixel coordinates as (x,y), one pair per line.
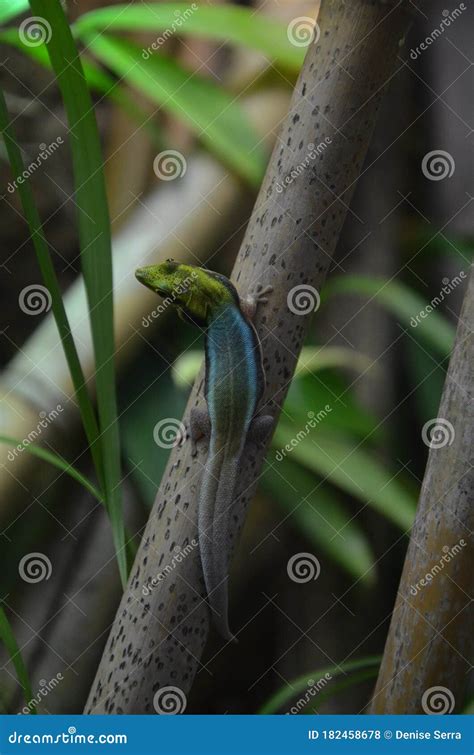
(233,373)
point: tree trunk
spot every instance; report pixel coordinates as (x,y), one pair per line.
(430,641)
(157,639)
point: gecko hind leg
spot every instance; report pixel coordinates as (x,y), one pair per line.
(200,427)
(260,428)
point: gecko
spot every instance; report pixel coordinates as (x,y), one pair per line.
(234,385)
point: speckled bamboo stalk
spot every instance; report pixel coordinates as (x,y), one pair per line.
(430,642)
(157,639)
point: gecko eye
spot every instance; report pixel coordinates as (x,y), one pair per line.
(170,265)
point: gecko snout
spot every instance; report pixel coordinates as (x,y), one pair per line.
(141,274)
(144,276)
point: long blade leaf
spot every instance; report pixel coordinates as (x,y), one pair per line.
(206,108)
(353,470)
(95,243)
(8,639)
(352,681)
(321,518)
(11,8)
(56,461)
(401,301)
(50,279)
(315,358)
(225,24)
(301,683)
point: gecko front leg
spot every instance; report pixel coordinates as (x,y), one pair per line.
(261,426)
(249,304)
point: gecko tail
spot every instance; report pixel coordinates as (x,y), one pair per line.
(215,511)
(218,600)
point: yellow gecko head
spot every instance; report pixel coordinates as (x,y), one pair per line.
(200,294)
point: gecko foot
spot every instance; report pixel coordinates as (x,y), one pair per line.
(261,296)
(249,305)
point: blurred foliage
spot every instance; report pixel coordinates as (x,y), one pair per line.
(367,668)
(94,233)
(207,109)
(328,450)
(225,24)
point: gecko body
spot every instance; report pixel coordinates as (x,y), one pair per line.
(234,385)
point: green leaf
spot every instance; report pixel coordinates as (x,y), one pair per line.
(56,460)
(319,515)
(11,8)
(8,639)
(351,468)
(301,684)
(428,379)
(316,358)
(351,681)
(402,302)
(95,244)
(215,117)
(50,279)
(430,241)
(329,399)
(225,24)
(468,709)
(96,78)
(185,369)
